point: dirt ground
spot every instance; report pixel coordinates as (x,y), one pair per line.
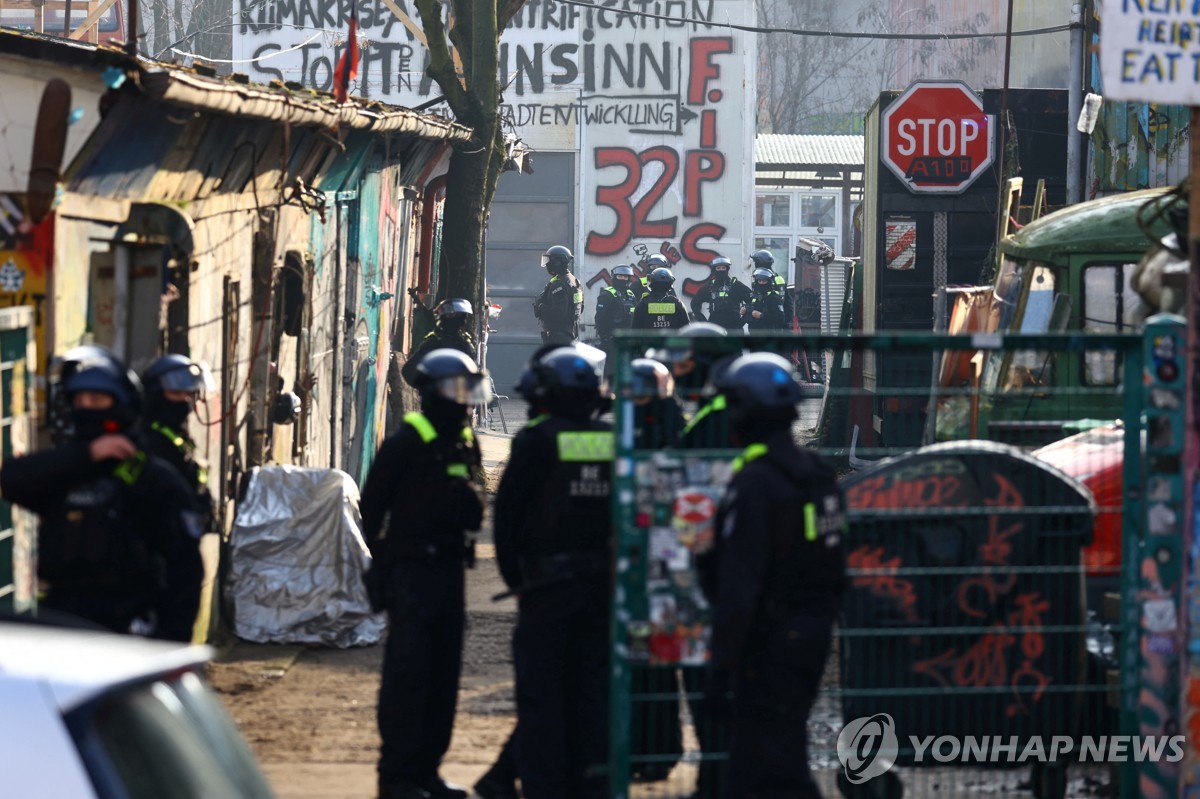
(309,713)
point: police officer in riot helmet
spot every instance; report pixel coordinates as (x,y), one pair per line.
(117,545)
(173,384)
(451,330)
(693,359)
(560,305)
(775,580)
(660,309)
(553,547)
(658,418)
(724,294)
(615,304)
(427,476)
(765,310)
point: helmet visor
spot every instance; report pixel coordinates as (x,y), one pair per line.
(545,260)
(195,377)
(464,389)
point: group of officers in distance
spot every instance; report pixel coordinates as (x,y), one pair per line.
(774,577)
(650,303)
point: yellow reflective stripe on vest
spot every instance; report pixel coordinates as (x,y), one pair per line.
(422,425)
(752,452)
(717,403)
(661,307)
(458,470)
(585,446)
(535,421)
(577,297)
(468,435)
(170,434)
(810,521)
(129,470)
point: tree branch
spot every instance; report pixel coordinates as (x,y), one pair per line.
(441,63)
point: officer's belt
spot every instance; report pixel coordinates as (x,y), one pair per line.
(416,550)
(538,567)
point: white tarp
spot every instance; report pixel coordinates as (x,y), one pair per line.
(298,557)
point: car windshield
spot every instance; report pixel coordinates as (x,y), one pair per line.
(166,738)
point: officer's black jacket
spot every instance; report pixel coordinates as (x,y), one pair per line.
(178,450)
(646,317)
(770,304)
(547,506)
(725,303)
(560,305)
(423,486)
(614,309)
(437,339)
(777,554)
(657,424)
(151,499)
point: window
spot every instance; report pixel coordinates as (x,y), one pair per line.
(1110,305)
(819,211)
(773,210)
(1031,369)
(780,247)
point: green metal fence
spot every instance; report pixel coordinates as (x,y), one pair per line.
(17,536)
(991,594)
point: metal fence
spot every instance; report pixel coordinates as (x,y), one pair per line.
(993,560)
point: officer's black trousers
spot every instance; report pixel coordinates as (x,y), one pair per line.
(560,653)
(421,663)
(768,748)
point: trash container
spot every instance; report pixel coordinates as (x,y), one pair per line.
(965,614)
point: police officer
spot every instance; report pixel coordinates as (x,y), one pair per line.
(658,418)
(725,296)
(659,309)
(451,330)
(560,304)
(173,384)
(762,259)
(615,304)
(116,544)
(765,310)
(775,580)
(426,475)
(553,527)
(692,365)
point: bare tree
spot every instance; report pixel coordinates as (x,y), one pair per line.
(473,33)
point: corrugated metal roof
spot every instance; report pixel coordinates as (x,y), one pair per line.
(775,149)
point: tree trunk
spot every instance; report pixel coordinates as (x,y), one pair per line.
(470,183)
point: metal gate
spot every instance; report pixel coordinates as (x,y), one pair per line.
(997,594)
(18,539)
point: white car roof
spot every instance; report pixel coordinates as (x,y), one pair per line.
(77,665)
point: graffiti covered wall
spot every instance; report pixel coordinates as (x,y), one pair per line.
(657,102)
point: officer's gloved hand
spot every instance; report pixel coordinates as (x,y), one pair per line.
(718,693)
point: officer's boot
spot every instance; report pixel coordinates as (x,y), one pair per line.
(500,781)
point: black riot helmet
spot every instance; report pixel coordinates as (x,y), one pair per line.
(691,352)
(557,259)
(662,278)
(764,277)
(453,314)
(449,375)
(762,259)
(569,382)
(720,268)
(622,275)
(761,392)
(657,261)
(97,369)
(651,380)
(173,372)
(452,308)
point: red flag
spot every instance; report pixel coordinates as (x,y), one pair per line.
(347,68)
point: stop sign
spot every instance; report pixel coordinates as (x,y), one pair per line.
(936,137)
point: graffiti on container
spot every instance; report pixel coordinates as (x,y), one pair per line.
(986,662)
(1009,650)
(881,580)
